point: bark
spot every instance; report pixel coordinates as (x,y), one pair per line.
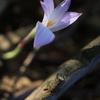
(68,73)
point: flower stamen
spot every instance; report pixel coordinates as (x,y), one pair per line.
(50,23)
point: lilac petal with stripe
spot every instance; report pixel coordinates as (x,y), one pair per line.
(50,4)
(60,11)
(43,35)
(46,12)
(74,16)
(68,19)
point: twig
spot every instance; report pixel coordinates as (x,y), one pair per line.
(26,63)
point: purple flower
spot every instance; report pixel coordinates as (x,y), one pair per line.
(53,20)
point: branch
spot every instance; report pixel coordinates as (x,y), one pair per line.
(68,73)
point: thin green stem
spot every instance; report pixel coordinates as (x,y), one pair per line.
(32,33)
(18,49)
(11,54)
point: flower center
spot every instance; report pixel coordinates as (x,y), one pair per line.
(50,23)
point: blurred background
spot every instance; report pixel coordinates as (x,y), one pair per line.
(22,74)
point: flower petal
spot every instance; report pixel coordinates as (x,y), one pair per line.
(43,35)
(68,19)
(46,12)
(50,4)
(59,11)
